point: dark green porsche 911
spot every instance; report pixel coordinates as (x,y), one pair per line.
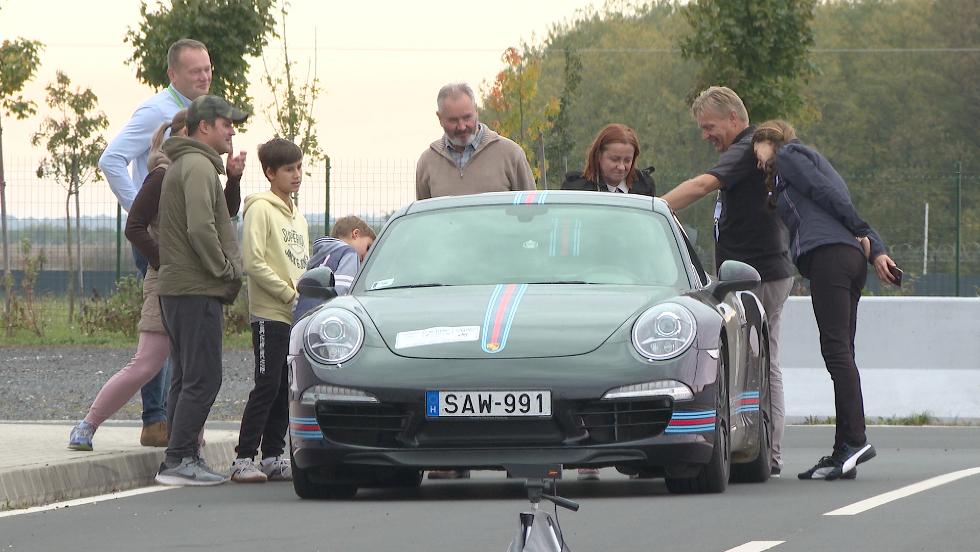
(499,329)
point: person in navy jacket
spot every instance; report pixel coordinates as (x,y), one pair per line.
(831,245)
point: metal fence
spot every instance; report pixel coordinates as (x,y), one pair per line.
(930,221)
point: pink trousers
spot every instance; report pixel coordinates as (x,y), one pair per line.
(151,351)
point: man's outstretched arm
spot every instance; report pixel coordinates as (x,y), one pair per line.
(691,190)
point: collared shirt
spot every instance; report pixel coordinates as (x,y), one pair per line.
(621,187)
(463,157)
(131,146)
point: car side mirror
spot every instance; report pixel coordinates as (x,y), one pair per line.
(734,276)
(317,283)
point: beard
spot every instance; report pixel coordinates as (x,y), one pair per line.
(462,143)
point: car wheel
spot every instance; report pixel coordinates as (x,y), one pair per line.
(758,470)
(307,488)
(713,477)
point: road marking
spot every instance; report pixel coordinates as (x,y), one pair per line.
(885,498)
(755,546)
(89,500)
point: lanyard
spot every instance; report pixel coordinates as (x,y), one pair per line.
(180,103)
(717,216)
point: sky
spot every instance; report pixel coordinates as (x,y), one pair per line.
(380,64)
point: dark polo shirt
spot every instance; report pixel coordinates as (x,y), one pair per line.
(748,230)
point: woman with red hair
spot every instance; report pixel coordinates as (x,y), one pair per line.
(610,165)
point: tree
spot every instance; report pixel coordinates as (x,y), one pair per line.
(74,140)
(560,143)
(291,112)
(19,60)
(231,29)
(758,48)
(511,100)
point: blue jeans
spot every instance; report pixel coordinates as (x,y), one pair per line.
(154,393)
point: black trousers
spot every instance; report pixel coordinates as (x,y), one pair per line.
(194,324)
(266,416)
(837,274)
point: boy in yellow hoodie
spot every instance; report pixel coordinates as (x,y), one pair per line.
(275,250)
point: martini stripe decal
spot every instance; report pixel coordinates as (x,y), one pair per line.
(530,198)
(565,238)
(305,428)
(747,402)
(501,309)
(691,421)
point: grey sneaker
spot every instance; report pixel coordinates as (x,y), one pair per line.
(277,468)
(192,471)
(244,470)
(81,436)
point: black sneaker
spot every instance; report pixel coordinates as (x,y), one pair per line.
(775,471)
(820,470)
(847,457)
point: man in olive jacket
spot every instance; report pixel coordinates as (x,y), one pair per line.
(200,268)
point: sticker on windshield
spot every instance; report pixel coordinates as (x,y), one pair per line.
(382,283)
(437,335)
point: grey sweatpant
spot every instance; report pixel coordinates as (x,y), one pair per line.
(773,295)
(194,324)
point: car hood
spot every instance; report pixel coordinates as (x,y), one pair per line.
(504,321)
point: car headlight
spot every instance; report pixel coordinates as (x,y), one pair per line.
(664,331)
(334,336)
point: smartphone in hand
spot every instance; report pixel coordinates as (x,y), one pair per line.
(896,275)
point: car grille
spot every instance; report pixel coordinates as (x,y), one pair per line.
(623,420)
(369,425)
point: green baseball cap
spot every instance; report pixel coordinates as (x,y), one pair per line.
(208,108)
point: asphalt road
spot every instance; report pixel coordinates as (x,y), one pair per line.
(617,514)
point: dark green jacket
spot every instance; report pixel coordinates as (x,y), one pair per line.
(199,253)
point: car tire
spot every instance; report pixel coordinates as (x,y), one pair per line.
(759,469)
(713,476)
(306,488)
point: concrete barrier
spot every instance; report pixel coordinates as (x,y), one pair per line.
(915,354)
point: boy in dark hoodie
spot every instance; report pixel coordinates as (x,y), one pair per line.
(343,251)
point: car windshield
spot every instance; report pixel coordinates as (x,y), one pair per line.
(494,244)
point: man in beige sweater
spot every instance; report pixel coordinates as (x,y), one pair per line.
(469,158)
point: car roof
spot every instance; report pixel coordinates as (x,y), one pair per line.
(539,197)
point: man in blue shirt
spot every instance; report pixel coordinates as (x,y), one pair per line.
(189,70)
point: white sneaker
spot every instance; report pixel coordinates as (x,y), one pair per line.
(277,468)
(244,470)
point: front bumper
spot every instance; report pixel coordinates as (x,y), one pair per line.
(583,431)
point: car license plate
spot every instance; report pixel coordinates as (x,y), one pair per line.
(487,404)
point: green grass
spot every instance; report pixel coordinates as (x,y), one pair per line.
(817,420)
(915,419)
(59,332)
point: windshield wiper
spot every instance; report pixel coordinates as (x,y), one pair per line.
(406,286)
(561,282)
